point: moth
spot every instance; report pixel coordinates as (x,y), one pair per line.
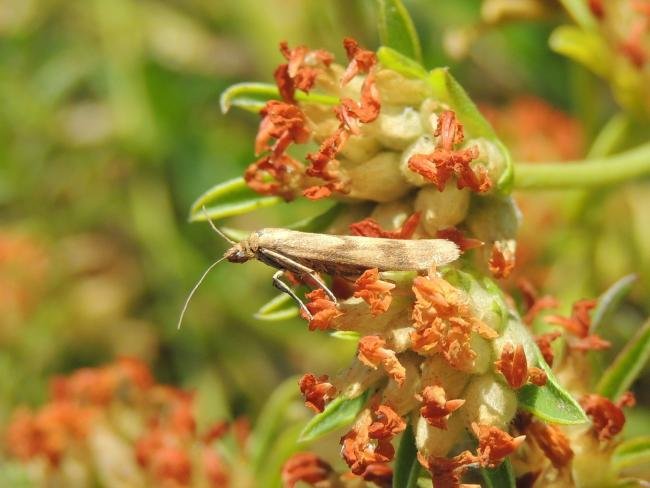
(306,254)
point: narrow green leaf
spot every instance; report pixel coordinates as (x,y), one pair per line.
(550,402)
(581,46)
(249,96)
(610,300)
(339,413)
(626,367)
(396,29)
(235,234)
(319,222)
(271,419)
(232,197)
(278,308)
(579,11)
(346,335)
(282,448)
(407,467)
(633,452)
(252,96)
(501,477)
(389,58)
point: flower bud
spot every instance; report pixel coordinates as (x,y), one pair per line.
(397,126)
(488,402)
(379,179)
(395,89)
(441,209)
(424,144)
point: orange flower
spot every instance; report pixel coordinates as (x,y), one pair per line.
(275,175)
(534,305)
(444,322)
(370,228)
(360,451)
(552,441)
(216,471)
(372,353)
(283,122)
(361,60)
(387,423)
(305,467)
(544,343)
(437,409)
(322,309)
(379,474)
(597,8)
(514,367)
(375,292)
(494,445)
(457,237)
(447,472)
(301,70)
(316,391)
(445,162)
(502,260)
(579,325)
(607,417)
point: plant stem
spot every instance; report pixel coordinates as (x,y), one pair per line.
(621,167)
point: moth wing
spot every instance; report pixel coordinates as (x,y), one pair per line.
(353,253)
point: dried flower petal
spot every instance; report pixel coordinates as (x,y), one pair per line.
(552,441)
(579,325)
(544,343)
(317,391)
(597,8)
(387,423)
(447,472)
(502,260)
(379,474)
(370,228)
(283,122)
(514,367)
(305,467)
(372,353)
(445,162)
(361,60)
(359,451)
(275,175)
(458,237)
(444,322)
(301,70)
(534,305)
(322,309)
(607,417)
(494,445)
(436,408)
(375,292)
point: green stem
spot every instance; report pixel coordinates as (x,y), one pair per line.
(619,168)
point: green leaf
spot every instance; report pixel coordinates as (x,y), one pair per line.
(278,308)
(391,59)
(252,96)
(396,29)
(346,335)
(626,367)
(232,197)
(610,300)
(580,13)
(319,222)
(585,47)
(633,452)
(249,96)
(235,234)
(270,420)
(446,88)
(502,476)
(339,413)
(551,402)
(407,467)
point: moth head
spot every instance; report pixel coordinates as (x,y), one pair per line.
(239,253)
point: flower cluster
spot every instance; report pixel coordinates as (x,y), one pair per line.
(116,425)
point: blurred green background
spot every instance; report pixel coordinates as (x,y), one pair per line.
(109,129)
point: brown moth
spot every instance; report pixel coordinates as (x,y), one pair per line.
(306,254)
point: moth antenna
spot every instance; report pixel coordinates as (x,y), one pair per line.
(196,287)
(216,229)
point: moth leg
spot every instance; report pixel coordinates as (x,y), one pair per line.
(283,287)
(280,261)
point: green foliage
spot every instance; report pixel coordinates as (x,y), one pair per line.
(620,375)
(338,413)
(502,476)
(396,29)
(407,467)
